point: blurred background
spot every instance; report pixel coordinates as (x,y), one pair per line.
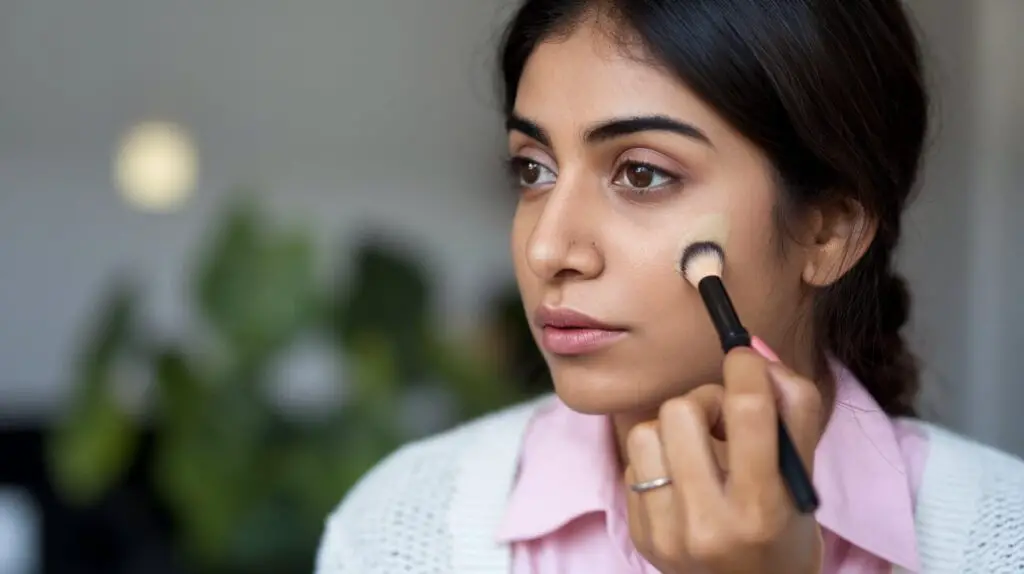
(248,247)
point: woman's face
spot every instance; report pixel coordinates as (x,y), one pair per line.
(619,166)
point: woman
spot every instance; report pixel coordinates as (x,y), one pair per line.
(798,126)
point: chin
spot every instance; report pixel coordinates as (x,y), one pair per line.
(605,392)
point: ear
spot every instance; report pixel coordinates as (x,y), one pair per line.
(840,234)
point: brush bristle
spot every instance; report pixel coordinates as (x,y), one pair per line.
(700,260)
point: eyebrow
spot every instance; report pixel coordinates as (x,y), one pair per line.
(530,129)
(614,128)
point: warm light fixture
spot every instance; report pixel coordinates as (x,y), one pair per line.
(155,166)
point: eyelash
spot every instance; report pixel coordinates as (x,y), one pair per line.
(515,164)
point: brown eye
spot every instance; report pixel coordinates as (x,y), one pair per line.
(641,176)
(530,173)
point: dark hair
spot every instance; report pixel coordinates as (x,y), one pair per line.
(832,92)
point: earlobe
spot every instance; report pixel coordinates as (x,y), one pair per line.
(842,234)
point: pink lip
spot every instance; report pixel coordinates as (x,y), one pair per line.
(569,342)
(567,332)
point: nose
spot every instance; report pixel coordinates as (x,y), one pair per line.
(564,243)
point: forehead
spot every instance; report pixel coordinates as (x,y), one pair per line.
(588,76)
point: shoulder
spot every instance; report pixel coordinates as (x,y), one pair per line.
(954,456)
(970,509)
(398,515)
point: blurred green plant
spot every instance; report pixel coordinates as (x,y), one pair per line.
(249,487)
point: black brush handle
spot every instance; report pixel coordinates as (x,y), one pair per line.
(732,334)
(798,482)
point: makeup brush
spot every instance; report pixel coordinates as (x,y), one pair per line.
(701,265)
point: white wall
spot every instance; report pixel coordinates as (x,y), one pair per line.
(997,275)
(963,246)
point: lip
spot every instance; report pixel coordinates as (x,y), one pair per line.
(570,333)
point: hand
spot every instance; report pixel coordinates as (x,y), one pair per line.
(735,517)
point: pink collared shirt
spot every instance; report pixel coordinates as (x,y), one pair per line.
(567,510)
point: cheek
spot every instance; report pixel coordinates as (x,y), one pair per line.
(765,285)
(522,227)
(668,310)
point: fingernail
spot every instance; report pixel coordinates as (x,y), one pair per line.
(763,349)
(782,382)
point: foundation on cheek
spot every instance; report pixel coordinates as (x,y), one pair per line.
(713,227)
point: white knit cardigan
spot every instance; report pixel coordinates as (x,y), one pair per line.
(433,506)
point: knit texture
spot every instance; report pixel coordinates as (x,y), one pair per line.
(970,509)
(433,506)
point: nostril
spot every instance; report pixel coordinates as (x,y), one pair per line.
(567,274)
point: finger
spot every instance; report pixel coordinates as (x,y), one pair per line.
(635,514)
(686,428)
(751,420)
(658,510)
(758,344)
(800,406)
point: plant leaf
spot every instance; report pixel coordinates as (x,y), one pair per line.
(390,296)
(93,444)
(256,286)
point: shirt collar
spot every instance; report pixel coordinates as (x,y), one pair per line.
(569,468)
(861,476)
